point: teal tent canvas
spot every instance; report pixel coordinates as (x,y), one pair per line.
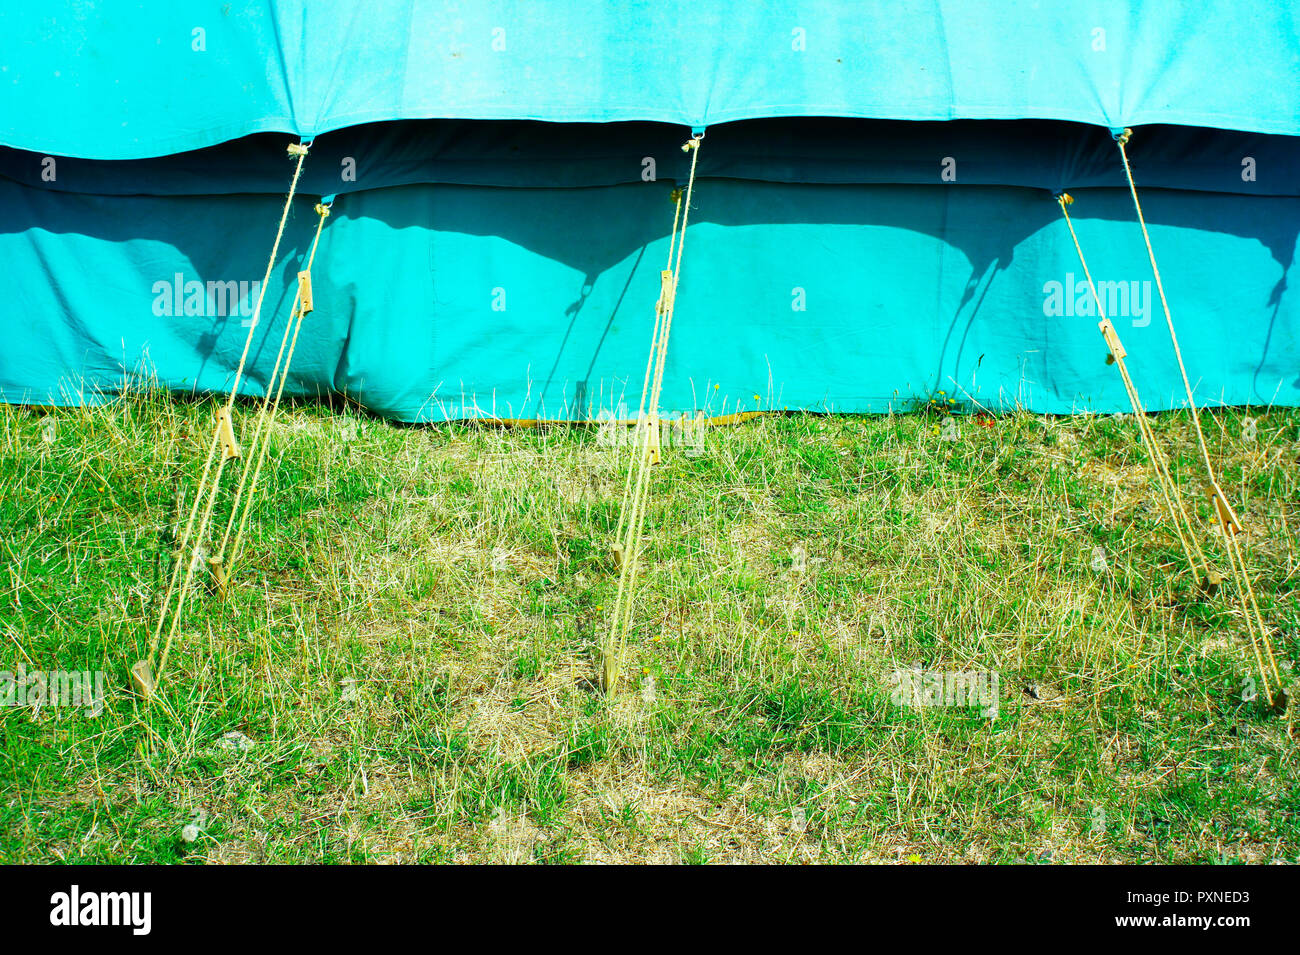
(874,220)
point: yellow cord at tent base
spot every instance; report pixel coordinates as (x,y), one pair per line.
(224,447)
(1160,463)
(224,562)
(628,537)
(1208,577)
(1227,518)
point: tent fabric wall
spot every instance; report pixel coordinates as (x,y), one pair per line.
(153,77)
(437,302)
(497,251)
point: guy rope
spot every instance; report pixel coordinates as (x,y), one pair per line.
(1164,479)
(223,563)
(1261,645)
(1228,522)
(224,446)
(627,545)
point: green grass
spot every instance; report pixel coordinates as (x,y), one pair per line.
(410,645)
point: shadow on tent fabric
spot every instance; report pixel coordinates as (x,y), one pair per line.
(400,307)
(818,150)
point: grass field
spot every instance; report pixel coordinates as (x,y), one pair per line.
(404,667)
